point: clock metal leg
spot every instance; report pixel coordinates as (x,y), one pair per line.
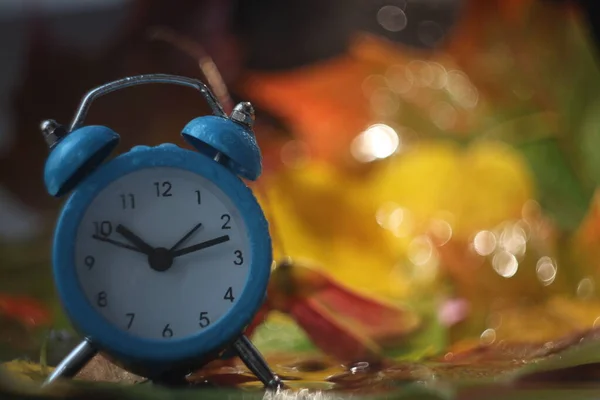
(73,363)
(256,363)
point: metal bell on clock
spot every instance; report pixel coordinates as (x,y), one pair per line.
(230,141)
(75,155)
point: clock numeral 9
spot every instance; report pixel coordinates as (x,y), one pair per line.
(229,295)
(103,228)
(167,332)
(226,218)
(166,189)
(204,321)
(101,299)
(89,261)
(239,259)
(128,201)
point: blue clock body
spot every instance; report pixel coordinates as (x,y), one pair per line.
(75,166)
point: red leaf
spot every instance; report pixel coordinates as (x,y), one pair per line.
(259,318)
(384,323)
(25,310)
(343,323)
(331,335)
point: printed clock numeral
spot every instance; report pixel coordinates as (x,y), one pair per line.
(167,332)
(229,295)
(89,261)
(101,299)
(163,189)
(204,321)
(103,228)
(239,260)
(226,218)
(128,201)
(131,317)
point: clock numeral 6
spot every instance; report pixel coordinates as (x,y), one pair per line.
(101,299)
(239,259)
(163,189)
(204,321)
(167,332)
(103,228)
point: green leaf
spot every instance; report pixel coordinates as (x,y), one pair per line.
(430,340)
(589,143)
(281,334)
(559,191)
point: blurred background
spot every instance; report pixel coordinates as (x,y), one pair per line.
(442,155)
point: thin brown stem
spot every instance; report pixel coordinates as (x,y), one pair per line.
(217,84)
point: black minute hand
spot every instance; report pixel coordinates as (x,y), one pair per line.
(118,244)
(186,237)
(200,246)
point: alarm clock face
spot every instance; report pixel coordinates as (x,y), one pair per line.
(162,253)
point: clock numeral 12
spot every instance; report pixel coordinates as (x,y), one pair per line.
(166,189)
(128,201)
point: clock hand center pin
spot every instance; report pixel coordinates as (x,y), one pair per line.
(159,258)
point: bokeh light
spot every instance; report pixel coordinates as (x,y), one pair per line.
(377,142)
(505,264)
(392,18)
(484,243)
(546,270)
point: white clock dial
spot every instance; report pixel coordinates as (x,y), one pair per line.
(166,294)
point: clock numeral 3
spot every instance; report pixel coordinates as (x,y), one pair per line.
(229,295)
(239,259)
(101,299)
(204,321)
(226,218)
(131,317)
(89,261)
(103,228)
(167,332)
(128,201)
(163,189)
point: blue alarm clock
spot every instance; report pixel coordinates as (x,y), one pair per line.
(161,255)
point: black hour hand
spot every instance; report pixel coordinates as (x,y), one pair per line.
(200,246)
(135,240)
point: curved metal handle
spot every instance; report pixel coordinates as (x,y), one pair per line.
(93,94)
